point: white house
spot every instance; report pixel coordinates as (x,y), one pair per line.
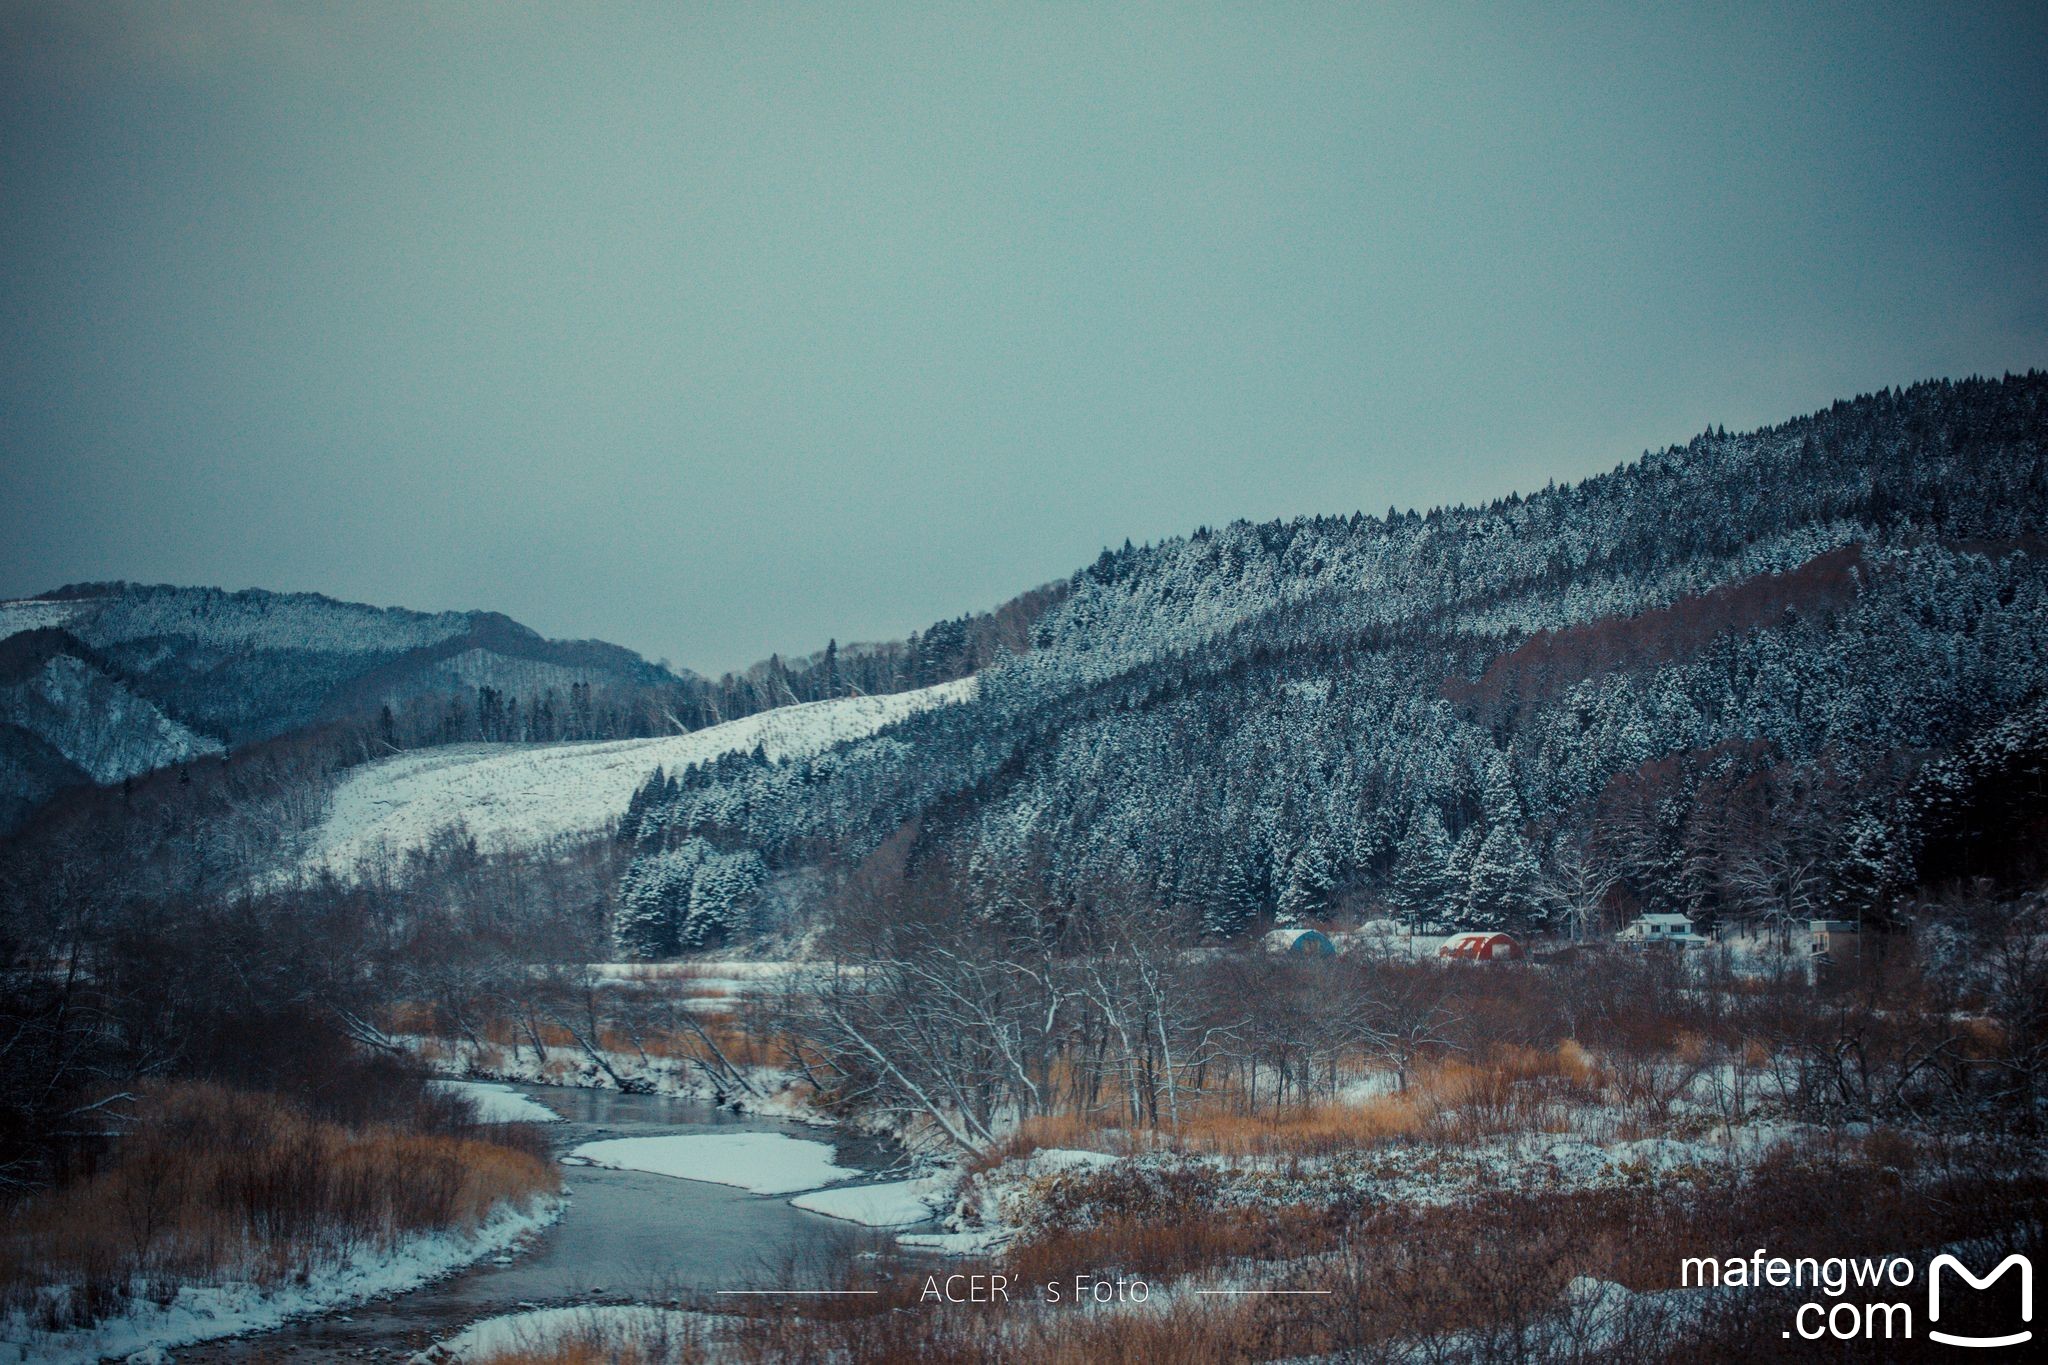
(1662,929)
(1830,936)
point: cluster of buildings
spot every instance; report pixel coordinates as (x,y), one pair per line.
(1826,939)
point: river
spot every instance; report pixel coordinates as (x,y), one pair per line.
(626,1236)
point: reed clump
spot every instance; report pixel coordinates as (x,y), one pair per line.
(209,1185)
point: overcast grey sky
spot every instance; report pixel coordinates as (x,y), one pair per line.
(722,329)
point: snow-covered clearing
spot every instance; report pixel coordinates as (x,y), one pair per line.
(495,1103)
(522,796)
(29,613)
(539,1330)
(206,1313)
(895,1205)
(727,976)
(765,1163)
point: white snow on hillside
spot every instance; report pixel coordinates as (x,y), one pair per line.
(517,796)
(33,614)
(97,723)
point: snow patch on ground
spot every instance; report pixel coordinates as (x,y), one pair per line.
(1372,1085)
(713,979)
(541,1329)
(495,1103)
(1047,1160)
(206,1313)
(523,796)
(766,1163)
(998,1204)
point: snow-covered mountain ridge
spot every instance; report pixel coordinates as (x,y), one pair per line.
(193,671)
(104,682)
(1751,640)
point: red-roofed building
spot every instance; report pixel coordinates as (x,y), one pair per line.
(1481,946)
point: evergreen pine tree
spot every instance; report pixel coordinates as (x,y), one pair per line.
(1501,880)
(1311,878)
(1864,870)
(1422,882)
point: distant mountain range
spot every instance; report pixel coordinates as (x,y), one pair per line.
(1772,674)
(103,682)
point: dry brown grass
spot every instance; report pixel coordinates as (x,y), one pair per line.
(1067,1129)
(1479,1280)
(211,1183)
(741,1044)
(1303,1131)
(1217,1331)
(1167,1242)
(1510,1088)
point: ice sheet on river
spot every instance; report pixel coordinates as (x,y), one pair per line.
(894,1205)
(766,1163)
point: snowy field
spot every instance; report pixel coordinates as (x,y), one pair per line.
(765,1163)
(523,796)
(735,976)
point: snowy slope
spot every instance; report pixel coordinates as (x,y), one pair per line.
(96,723)
(523,796)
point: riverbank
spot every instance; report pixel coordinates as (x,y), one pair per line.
(220,1212)
(625,1237)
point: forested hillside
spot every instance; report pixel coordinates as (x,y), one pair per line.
(1710,680)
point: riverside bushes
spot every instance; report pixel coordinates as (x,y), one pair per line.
(210,1185)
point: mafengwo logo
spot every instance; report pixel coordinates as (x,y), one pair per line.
(1945,1261)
